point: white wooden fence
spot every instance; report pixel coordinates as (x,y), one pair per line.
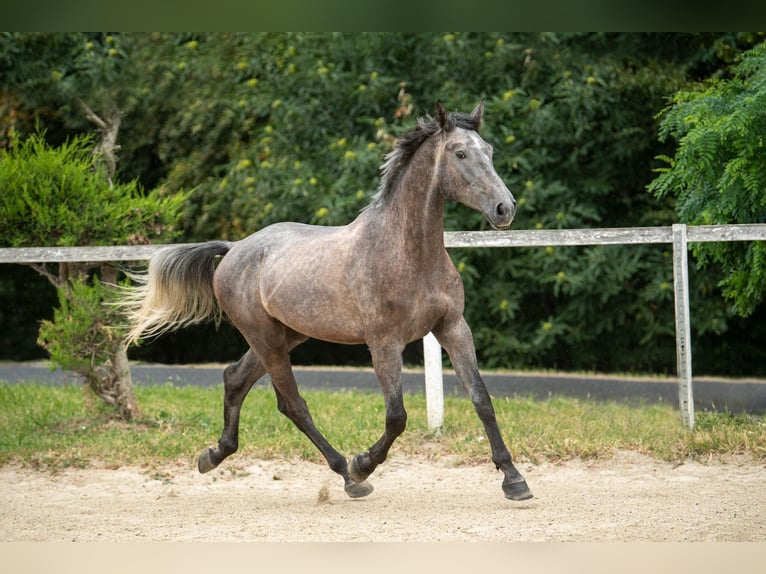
(678,235)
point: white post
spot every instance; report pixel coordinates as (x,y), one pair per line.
(432,357)
(683,328)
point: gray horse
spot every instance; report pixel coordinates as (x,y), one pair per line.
(385,279)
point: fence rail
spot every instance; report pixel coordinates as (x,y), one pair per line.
(679,235)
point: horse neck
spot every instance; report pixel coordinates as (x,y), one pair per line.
(415,211)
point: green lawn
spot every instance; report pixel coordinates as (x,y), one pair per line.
(56,427)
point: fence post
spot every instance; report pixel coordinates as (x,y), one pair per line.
(683,327)
(432,358)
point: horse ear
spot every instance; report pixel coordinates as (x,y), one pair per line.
(477,112)
(441,116)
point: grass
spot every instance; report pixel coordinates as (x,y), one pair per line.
(57,427)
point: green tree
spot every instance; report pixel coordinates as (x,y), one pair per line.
(56,196)
(293,126)
(718,171)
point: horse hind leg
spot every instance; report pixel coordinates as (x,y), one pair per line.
(293,406)
(388,367)
(238,379)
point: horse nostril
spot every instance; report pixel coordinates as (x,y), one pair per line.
(502,210)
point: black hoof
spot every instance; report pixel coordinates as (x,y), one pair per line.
(358,489)
(356,473)
(517,490)
(205,462)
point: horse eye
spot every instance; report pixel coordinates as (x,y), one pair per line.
(460,154)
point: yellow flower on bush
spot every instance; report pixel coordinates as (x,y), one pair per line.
(322,212)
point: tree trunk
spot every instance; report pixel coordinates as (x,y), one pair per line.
(122,382)
(123,385)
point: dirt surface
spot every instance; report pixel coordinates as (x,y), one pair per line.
(627,498)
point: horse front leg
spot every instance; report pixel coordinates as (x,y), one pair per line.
(457,340)
(387,363)
(238,379)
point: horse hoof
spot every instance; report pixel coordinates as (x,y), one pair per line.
(204,462)
(517,490)
(355,472)
(358,489)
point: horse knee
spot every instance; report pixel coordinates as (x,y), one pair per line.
(227,445)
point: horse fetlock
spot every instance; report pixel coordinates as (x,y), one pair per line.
(359,467)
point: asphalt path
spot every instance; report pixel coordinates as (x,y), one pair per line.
(734,395)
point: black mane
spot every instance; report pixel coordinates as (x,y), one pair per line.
(406,145)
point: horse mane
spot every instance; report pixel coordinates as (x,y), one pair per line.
(396,161)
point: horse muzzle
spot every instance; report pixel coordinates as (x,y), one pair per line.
(502,214)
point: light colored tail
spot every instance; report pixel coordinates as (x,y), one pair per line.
(176,291)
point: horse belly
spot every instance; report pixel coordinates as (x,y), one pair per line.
(319,316)
(314,300)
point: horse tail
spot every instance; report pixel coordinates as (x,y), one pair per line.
(176,291)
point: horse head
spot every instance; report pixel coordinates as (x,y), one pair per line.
(467,174)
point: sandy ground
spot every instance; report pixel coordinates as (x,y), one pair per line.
(628,498)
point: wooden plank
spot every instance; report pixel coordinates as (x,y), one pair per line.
(521,238)
(603,236)
(740,232)
(546,237)
(80,254)
(683,327)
